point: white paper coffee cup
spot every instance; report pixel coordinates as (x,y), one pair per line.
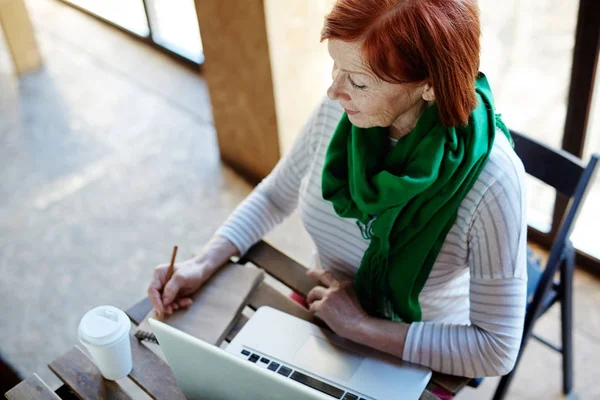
(104,331)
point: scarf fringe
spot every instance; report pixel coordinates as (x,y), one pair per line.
(366,230)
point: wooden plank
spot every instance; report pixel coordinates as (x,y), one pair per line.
(138,312)
(427,395)
(31,388)
(281,267)
(19,34)
(267,295)
(450,383)
(238,73)
(239,324)
(152,374)
(9,377)
(80,374)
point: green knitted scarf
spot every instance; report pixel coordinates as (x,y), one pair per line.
(405,199)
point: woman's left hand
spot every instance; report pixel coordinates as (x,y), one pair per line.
(336,304)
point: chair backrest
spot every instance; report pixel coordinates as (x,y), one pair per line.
(570,177)
(557,168)
(561,170)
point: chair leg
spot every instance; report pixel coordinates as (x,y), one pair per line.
(505,382)
(566,312)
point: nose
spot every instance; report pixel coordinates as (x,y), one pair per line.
(337,91)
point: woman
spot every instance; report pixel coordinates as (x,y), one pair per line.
(408,184)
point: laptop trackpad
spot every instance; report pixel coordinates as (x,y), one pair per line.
(323,358)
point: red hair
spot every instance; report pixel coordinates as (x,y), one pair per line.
(416,41)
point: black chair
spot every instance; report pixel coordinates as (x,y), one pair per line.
(570,177)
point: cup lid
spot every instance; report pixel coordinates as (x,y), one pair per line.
(103,325)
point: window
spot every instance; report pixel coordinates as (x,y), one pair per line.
(527,50)
(172,24)
(585,236)
(175,26)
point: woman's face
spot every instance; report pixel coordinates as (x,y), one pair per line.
(368,100)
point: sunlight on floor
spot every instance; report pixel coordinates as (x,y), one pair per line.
(173,24)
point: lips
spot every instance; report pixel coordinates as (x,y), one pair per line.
(351,112)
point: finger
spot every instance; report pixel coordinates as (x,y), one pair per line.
(316,293)
(324,276)
(155,299)
(315,306)
(160,275)
(169,310)
(154,294)
(171,289)
(175,306)
(185,302)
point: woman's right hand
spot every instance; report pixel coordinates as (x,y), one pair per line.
(187,278)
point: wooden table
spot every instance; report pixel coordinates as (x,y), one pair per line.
(153,376)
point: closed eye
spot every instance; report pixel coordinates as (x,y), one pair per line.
(354,85)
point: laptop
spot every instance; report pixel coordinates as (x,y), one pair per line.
(278,356)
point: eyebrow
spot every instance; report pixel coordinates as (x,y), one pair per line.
(354,72)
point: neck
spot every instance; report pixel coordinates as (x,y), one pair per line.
(406,122)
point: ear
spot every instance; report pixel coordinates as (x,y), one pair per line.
(428,94)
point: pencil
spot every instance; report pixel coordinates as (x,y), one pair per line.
(171,269)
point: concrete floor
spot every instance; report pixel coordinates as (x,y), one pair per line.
(109,158)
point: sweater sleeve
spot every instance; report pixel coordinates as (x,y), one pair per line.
(497,294)
(276,197)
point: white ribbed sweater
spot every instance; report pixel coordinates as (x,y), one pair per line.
(473,303)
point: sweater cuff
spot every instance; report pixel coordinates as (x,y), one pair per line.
(236,237)
(411,345)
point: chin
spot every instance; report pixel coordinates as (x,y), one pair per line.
(359,122)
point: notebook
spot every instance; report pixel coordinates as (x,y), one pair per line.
(216,305)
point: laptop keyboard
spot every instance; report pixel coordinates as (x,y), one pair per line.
(310,381)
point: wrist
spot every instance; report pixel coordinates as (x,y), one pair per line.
(361,331)
(217,252)
(203,259)
(384,335)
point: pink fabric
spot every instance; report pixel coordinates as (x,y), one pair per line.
(442,394)
(299,299)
